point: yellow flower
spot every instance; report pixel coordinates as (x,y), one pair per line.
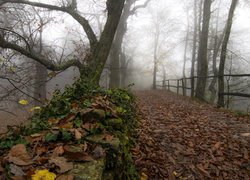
(43,175)
(35,108)
(23,102)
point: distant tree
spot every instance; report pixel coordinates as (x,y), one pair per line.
(202,63)
(224,53)
(194,45)
(116,55)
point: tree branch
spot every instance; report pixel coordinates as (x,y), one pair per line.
(80,19)
(132,11)
(42,60)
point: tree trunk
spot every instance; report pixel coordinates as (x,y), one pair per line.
(156,43)
(194,48)
(100,54)
(202,53)
(115,52)
(224,53)
(40,83)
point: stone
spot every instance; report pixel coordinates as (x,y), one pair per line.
(100,139)
(88,171)
(117,124)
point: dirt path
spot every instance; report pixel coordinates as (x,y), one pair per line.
(183,139)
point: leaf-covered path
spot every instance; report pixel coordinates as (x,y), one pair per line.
(183,139)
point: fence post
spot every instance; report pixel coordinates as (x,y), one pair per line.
(178,86)
(183,80)
(168,85)
(164,84)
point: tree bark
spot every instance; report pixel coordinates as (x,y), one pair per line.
(194,48)
(202,53)
(99,50)
(224,53)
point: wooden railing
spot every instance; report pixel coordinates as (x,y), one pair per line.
(182,87)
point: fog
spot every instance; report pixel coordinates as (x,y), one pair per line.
(168,20)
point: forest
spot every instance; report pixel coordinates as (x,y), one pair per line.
(124,89)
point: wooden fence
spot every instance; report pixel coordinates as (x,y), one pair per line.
(182,87)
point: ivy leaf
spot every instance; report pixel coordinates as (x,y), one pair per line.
(51,137)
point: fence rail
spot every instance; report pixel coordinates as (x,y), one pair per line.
(181,84)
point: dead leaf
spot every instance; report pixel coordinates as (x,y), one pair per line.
(216,146)
(68,125)
(65,177)
(19,156)
(144,176)
(16,170)
(17,178)
(41,150)
(201,168)
(78,135)
(108,137)
(1,169)
(62,163)
(75,153)
(245,134)
(52,121)
(58,151)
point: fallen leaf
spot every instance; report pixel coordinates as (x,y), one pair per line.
(43,175)
(108,137)
(75,153)
(201,168)
(78,135)
(216,146)
(53,121)
(17,178)
(19,156)
(58,151)
(16,170)
(62,163)
(41,150)
(144,176)
(65,177)
(245,134)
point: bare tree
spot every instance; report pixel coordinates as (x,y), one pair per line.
(224,53)
(95,60)
(202,66)
(115,55)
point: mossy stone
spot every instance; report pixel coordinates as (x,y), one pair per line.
(99,139)
(88,171)
(117,123)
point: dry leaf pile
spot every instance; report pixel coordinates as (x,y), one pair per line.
(85,134)
(183,139)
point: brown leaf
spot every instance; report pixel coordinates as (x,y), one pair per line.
(41,150)
(1,169)
(58,151)
(108,137)
(53,121)
(65,177)
(68,125)
(245,134)
(17,178)
(75,153)
(16,170)
(201,168)
(78,135)
(216,146)
(19,156)
(62,163)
